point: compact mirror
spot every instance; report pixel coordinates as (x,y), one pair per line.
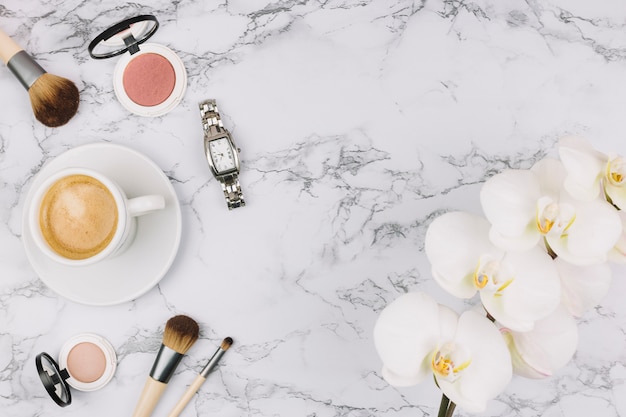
(123,36)
(53,379)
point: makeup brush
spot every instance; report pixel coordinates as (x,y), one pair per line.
(54,99)
(202,376)
(181,332)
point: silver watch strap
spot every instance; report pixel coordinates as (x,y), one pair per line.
(212,126)
(211,120)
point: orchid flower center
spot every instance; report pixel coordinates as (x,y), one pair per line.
(616,171)
(450,360)
(554,218)
(492,275)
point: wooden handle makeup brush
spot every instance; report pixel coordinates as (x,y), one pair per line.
(54,99)
(202,376)
(181,332)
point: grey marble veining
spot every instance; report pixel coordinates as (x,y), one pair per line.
(358,122)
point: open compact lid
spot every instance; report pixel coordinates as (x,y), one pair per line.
(123,36)
(54,379)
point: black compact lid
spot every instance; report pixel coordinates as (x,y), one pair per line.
(123,36)
(54,379)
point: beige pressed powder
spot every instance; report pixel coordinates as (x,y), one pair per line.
(86,362)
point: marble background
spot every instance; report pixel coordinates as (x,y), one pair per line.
(358,123)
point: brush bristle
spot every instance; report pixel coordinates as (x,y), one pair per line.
(181,332)
(226,343)
(54,99)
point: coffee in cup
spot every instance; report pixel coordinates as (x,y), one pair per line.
(79,216)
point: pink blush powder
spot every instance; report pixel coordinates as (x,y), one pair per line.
(86,362)
(149,79)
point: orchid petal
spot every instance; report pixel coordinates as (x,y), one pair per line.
(453,243)
(584,166)
(406,379)
(508,201)
(532,291)
(529,238)
(448,321)
(560,248)
(583,286)
(489,371)
(547,348)
(460,289)
(550,174)
(405,334)
(540,367)
(618,253)
(594,232)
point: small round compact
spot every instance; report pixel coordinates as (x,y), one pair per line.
(150,80)
(87,362)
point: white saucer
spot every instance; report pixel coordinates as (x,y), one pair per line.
(134,272)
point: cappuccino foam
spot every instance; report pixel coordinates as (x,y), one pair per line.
(78,217)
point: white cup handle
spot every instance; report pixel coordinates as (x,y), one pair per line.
(139,206)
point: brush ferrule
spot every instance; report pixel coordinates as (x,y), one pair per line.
(165,364)
(25,69)
(212,362)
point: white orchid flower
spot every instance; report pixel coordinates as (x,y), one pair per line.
(405,335)
(475,366)
(516,288)
(547,348)
(582,287)
(416,337)
(590,172)
(525,205)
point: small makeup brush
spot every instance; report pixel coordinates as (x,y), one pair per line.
(181,332)
(202,376)
(54,99)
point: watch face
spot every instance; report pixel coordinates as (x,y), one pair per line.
(222,155)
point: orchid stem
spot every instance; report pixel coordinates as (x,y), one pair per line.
(443,407)
(451,408)
(446,408)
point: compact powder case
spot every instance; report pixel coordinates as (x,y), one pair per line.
(87,362)
(150,80)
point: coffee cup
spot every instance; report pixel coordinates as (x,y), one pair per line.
(79,216)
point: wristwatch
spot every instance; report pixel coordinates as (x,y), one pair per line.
(221,153)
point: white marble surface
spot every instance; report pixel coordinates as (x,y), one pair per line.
(358,122)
